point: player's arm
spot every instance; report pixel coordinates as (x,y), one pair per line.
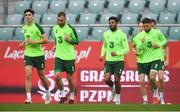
(166,53)
(162,41)
(74,37)
(22,44)
(125,44)
(103,49)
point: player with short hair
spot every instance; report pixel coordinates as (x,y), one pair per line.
(151,41)
(65,39)
(136,42)
(165,62)
(115,46)
(33,53)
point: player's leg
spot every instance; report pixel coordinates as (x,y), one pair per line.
(107,78)
(28,71)
(70,69)
(155,65)
(143,88)
(161,83)
(28,85)
(44,80)
(40,66)
(118,68)
(59,67)
(141,73)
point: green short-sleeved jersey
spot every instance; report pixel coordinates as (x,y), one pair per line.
(136,42)
(33,31)
(153,36)
(114,42)
(65,50)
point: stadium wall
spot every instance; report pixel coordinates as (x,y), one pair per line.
(88,76)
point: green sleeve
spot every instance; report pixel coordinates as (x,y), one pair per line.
(74,35)
(162,40)
(125,46)
(40,28)
(104,46)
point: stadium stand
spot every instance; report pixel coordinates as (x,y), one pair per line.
(6,33)
(157,6)
(87,18)
(20,6)
(97,33)
(136,6)
(174,33)
(40,7)
(129,18)
(56,6)
(82,32)
(116,6)
(95,12)
(76,6)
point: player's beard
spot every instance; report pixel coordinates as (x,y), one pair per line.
(113,29)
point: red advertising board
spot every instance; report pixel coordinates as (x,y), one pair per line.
(88,76)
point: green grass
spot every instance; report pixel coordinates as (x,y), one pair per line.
(88,107)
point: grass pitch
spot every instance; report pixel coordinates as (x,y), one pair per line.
(87,107)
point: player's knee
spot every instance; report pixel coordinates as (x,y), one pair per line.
(28,77)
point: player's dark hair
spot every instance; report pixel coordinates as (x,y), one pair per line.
(61,14)
(153,21)
(113,18)
(29,10)
(146,20)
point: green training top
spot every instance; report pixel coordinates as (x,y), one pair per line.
(136,42)
(115,41)
(149,53)
(65,50)
(34,32)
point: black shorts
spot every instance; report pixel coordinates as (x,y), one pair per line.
(37,62)
(141,68)
(64,65)
(114,67)
(154,65)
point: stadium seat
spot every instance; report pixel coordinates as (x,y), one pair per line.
(47,31)
(104,18)
(82,33)
(136,6)
(37,18)
(174,33)
(76,6)
(96,6)
(20,6)
(167,18)
(173,6)
(58,6)
(97,33)
(129,18)
(49,19)
(88,18)
(164,30)
(19,34)
(71,18)
(15,19)
(125,30)
(40,7)
(116,6)
(6,33)
(157,6)
(135,31)
(150,15)
(178,18)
